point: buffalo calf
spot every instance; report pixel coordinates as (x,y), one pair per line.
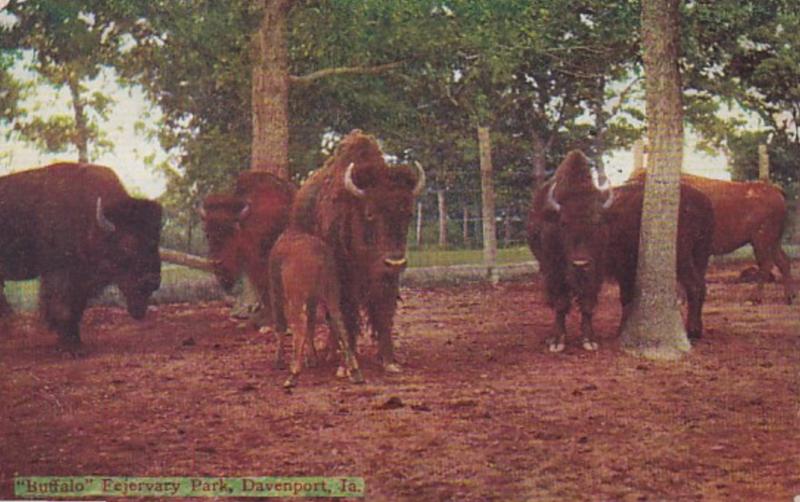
(302,273)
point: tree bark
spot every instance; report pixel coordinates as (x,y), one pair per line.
(442,218)
(487,205)
(270,92)
(81,139)
(654,328)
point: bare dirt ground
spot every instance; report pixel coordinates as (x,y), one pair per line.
(481,412)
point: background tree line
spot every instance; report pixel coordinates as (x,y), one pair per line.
(271,84)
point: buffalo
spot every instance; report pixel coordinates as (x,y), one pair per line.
(76,227)
(302,273)
(581,233)
(750,212)
(568,235)
(242,227)
(694,245)
(361,208)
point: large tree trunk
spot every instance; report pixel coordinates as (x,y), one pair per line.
(654,328)
(81,139)
(487,205)
(270,92)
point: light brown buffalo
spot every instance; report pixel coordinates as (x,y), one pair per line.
(749,212)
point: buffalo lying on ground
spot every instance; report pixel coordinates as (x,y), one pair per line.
(361,208)
(568,235)
(76,227)
(751,212)
(302,274)
(242,227)
(581,233)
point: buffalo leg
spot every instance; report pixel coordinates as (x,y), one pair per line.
(785,266)
(626,290)
(5,308)
(312,359)
(350,366)
(296,314)
(277,301)
(587,331)
(692,278)
(350,318)
(62,304)
(556,343)
(381,313)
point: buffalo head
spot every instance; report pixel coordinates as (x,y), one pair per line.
(222,217)
(131,230)
(384,210)
(578,203)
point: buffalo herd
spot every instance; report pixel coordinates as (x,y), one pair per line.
(339,242)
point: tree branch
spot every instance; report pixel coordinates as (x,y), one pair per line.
(344,70)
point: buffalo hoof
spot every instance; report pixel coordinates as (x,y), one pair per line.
(590,345)
(341,372)
(555,346)
(356,376)
(392,368)
(290,382)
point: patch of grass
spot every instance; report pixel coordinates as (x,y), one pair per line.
(178,284)
(182,284)
(448,257)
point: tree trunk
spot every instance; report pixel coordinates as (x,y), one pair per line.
(654,328)
(539,159)
(601,125)
(442,218)
(185,259)
(507,228)
(270,92)
(487,205)
(81,139)
(763,163)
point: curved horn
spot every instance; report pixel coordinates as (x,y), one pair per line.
(551,200)
(605,188)
(420,179)
(102,221)
(245,212)
(349,185)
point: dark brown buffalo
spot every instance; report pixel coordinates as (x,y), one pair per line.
(751,212)
(695,231)
(302,274)
(361,208)
(242,227)
(75,226)
(568,236)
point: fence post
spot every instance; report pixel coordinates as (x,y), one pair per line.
(465,225)
(763,163)
(487,203)
(442,218)
(418,229)
(638,154)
